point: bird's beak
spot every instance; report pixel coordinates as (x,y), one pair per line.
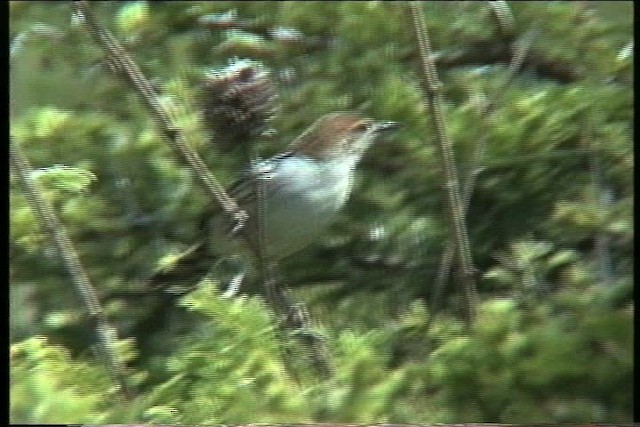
(386,126)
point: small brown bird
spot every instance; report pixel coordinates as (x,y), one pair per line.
(303,190)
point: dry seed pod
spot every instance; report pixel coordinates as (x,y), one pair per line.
(238,103)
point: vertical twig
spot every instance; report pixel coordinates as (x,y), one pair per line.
(520,50)
(433,99)
(602,196)
(295,316)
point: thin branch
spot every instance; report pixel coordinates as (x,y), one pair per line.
(106,335)
(433,99)
(503,16)
(602,196)
(123,63)
(520,50)
(295,316)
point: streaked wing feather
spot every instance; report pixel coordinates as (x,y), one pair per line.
(242,189)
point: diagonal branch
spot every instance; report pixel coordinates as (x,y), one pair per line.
(276,295)
(122,62)
(51,224)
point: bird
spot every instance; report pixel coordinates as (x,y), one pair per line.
(302,190)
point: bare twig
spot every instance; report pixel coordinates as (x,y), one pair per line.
(505,22)
(295,316)
(433,99)
(520,49)
(503,47)
(602,196)
(106,335)
(121,61)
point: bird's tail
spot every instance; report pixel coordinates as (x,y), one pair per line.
(185,272)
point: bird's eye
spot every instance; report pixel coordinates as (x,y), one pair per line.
(362,126)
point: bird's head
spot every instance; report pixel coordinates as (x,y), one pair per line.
(340,134)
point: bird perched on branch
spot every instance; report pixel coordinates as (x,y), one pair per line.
(290,198)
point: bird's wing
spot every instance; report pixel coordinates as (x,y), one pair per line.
(243,188)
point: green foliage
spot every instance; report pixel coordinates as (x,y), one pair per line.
(230,363)
(550,218)
(64,178)
(132,17)
(539,364)
(48,386)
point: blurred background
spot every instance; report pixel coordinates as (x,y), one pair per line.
(550,216)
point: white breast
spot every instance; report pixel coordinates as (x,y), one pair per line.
(302,199)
